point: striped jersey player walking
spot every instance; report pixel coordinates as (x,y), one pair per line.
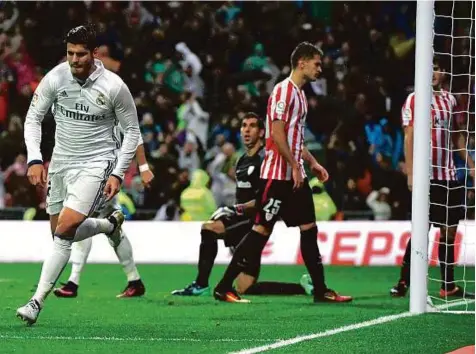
(285,192)
(285,94)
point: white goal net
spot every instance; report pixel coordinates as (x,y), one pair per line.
(452,143)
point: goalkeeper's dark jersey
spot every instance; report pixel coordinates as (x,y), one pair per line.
(247,176)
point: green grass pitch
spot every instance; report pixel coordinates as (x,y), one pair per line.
(97,322)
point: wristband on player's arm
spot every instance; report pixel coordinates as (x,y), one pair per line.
(119,178)
(144,167)
(35,162)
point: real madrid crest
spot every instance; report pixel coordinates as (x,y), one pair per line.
(101,100)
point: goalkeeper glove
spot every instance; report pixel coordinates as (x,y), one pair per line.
(228,211)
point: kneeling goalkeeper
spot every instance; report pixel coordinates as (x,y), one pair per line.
(232,223)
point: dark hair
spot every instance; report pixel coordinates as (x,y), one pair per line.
(249,115)
(304,50)
(437,62)
(85,35)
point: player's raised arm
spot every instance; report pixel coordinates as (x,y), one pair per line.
(126,112)
(41,102)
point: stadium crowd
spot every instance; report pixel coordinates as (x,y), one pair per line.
(195,68)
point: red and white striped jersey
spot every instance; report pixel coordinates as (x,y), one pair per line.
(287,103)
(443,105)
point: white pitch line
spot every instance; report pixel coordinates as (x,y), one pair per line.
(331,332)
(135,339)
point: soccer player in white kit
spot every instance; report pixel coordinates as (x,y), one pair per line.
(122,246)
(88,162)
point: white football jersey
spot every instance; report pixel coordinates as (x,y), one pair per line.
(86,118)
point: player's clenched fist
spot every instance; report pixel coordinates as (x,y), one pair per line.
(37,175)
(113,186)
(147,177)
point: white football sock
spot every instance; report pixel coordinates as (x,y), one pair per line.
(53,267)
(79,256)
(91,227)
(124,254)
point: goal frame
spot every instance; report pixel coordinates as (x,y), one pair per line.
(421,155)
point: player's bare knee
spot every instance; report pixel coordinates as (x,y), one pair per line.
(263,230)
(208,226)
(66,229)
(214,226)
(68,222)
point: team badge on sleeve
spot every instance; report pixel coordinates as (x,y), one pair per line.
(406,116)
(280,107)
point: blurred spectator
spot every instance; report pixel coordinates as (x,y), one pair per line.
(8,20)
(188,156)
(2,189)
(194,68)
(127,205)
(20,192)
(325,208)
(168,212)
(379,138)
(137,191)
(353,200)
(5,79)
(378,202)
(223,161)
(256,67)
(197,200)
(224,185)
(11,142)
(192,118)
(138,15)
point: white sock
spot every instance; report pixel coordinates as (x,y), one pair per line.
(91,227)
(53,267)
(79,256)
(124,254)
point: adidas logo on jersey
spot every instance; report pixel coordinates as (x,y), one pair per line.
(63,94)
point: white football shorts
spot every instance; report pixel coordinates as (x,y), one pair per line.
(78,187)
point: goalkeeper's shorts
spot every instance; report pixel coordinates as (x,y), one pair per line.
(236,227)
(447,203)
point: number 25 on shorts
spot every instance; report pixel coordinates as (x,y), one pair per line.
(272,206)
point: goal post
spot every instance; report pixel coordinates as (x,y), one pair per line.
(445,31)
(421,155)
